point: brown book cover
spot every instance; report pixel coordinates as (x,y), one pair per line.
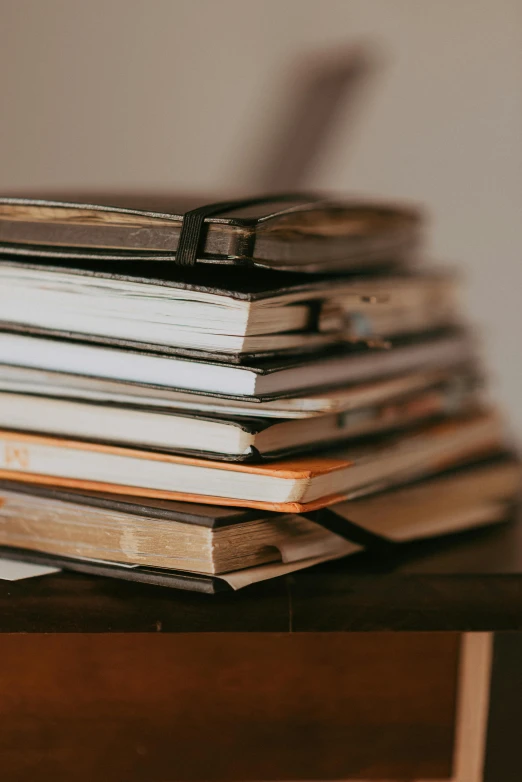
(286,232)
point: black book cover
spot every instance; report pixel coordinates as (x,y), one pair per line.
(176,579)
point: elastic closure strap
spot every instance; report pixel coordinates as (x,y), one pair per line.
(191,235)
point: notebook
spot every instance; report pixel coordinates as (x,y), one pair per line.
(286,485)
(228,312)
(167,577)
(25,380)
(210,547)
(218,437)
(260,378)
(285,232)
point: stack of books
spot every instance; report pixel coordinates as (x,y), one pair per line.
(205,397)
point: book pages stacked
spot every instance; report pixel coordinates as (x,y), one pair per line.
(205,395)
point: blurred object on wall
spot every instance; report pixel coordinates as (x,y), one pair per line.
(325,85)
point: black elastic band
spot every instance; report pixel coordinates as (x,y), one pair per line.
(192,226)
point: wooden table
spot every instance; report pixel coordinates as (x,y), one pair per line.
(403,667)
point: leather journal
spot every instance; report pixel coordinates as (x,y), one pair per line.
(304,232)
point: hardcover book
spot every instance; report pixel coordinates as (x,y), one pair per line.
(210,548)
(258,379)
(286,485)
(220,436)
(231,313)
(289,232)
(25,380)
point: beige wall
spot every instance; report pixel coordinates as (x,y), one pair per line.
(183,94)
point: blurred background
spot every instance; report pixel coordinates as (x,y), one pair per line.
(195,94)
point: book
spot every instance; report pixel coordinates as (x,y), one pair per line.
(215,436)
(288,485)
(220,311)
(26,380)
(169,577)
(304,233)
(184,536)
(261,378)
(190,544)
(458,500)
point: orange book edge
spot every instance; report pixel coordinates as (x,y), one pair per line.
(297,467)
(162,494)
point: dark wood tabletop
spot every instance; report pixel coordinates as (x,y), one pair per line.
(472,581)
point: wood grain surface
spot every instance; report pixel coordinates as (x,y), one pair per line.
(227,706)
